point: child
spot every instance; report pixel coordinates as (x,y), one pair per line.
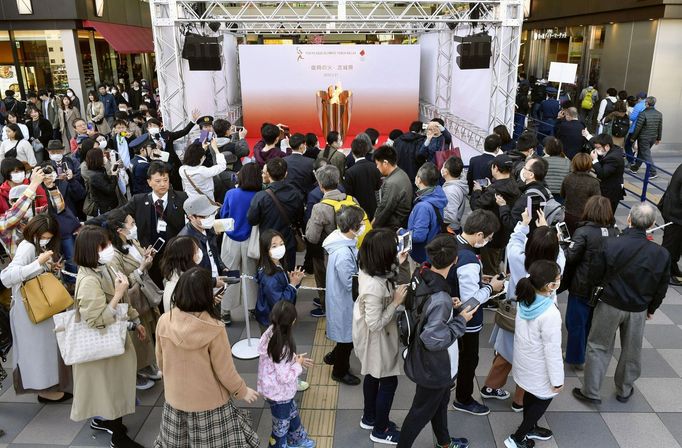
(278,369)
(274,284)
(538,366)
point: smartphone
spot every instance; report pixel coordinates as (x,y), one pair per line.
(471,303)
(483,182)
(529,207)
(405,242)
(238,128)
(90,127)
(60,170)
(205,136)
(220,291)
(562,231)
(112,156)
(158,244)
(163,156)
(425,126)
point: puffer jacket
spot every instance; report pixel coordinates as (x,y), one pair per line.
(423,221)
(649,125)
(586,242)
(407,146)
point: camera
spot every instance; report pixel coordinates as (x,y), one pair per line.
(48,170)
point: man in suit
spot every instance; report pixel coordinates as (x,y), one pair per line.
(479,166)
(265,213)
(299,168)
(608,165)
(363,179)
(158,214)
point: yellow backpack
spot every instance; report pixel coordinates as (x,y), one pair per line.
(349,201)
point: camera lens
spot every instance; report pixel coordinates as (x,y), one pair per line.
(48,170)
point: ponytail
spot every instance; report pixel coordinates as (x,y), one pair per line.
(540,273)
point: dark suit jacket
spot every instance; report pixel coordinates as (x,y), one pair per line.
(362,181)
(141,207)
(609,171)
(479,168)
(300,173)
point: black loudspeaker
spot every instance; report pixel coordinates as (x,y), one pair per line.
(474,52)
(202,52)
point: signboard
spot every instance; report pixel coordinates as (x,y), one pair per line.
(562,72)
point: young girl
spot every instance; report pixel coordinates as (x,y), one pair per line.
(538,366)
(273,282)
(278,369)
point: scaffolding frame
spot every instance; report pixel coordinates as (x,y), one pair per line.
(502,18)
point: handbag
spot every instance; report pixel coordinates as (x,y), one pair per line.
(444,154)
(37,145)
(144,295)
(505,315)
(300,242)
(253,248)
(597,292)
(44,296)
(79,343)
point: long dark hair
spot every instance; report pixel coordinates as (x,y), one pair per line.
(282,346)
(540,273)
(38,225)
(265,261)
(332,137)
(116,220)
(378,252)
(179,255)
(194,292)
(543,244)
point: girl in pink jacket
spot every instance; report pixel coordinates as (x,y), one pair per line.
(278,369)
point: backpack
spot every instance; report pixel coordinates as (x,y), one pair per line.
(554,211)
(610,106)
(418,292)
(539,93)
(349,201)
(620,126)
(588,101)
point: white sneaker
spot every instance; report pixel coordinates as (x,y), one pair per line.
(302,386)
(143,383)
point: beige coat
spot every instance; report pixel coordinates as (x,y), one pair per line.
(66,119)
(106,387)
(375,331)
(95,112)
(127,264)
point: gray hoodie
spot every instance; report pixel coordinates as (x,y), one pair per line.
(456,191)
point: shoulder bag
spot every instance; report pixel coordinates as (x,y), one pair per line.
(144,295)
(300,242)
(253,248)
(44,296)
(597,292)
(505,314)
(79,343)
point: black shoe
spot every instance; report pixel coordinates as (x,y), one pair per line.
(67,396)
(577,393)
(625,399)
(539,433)
(226,318)
(123,441)
(348,379)
(329,358)
(106,425)
(317,302)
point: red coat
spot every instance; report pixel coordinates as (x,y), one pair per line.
(41,196)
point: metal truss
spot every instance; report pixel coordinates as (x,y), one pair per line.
(502,17)
(460,128)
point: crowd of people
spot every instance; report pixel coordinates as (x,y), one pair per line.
(169,243)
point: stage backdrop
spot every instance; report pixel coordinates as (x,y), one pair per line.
(346,86)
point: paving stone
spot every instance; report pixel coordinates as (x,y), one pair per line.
(579,430)
(51,425)
(638,430)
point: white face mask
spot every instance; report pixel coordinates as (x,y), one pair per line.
(18,177)
(481,244)
(278,252)
(207,223)
(132,233)
(284,143)
(69,94)
(360,231)
(389,142)
(443,172)
(106,255)
(154,130)
(114,91)
(102,144)
(198,256)
(522,175)
(601,152)
(45,242)
(56,157)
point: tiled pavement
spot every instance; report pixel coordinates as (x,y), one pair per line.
(652,418)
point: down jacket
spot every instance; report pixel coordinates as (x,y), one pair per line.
(586,243)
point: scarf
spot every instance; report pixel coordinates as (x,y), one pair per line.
(123,151)
(538,307)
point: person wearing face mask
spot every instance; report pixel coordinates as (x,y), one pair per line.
(37,364)
(274,284)
(332,152)
(99,183)
(145,153)
(64,165)
(426,218)
(21,209)
(522,251)
(197,179)
(183,253)
(135,95)
(533,177)
(608,165)
(525,149)
(200,213)
(455,189)
(62,197)
(12,170)
(538,366)
(104,390)
(341,245)
(75,101)
(467,282)
(133,261)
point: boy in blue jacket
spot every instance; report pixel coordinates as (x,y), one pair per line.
(426,217)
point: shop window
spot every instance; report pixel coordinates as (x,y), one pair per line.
(9,79)
(39,59)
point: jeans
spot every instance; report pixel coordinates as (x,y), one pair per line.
(519,125)
(428,405)
(67,246)
(533,408)
(468,361)
(578,322)
(378,393)
(286,425)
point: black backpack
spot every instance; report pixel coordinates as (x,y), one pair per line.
(418,292)
(539,93)
(620,126)
(610,106)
